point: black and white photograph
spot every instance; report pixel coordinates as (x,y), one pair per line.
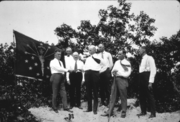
(90,61)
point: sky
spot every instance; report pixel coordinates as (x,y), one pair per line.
(38,19)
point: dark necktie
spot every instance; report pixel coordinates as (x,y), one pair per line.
(96,60)
(59,63)
(75,66)
(102,55)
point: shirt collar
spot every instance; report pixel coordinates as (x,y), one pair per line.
(56,59)
(144,56)
(68,56)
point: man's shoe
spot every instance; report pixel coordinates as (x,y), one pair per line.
(95,112)
(80,107)
(70,107)
(106,114)
(141,114)
(123,114)
(55,110)
(67,109)
(152,116)
(88,111)
(119,109)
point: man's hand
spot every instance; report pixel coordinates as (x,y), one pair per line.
(80,70)
(114,72)
(125,68)
(150,86)
(68,82)
(108,69)
(70,71)
(82,82)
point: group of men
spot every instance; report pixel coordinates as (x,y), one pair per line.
(95,71)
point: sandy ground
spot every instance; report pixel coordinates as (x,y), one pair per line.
(46,115)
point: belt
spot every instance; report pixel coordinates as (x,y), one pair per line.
(145,72)
(58,73)
(121,77)
(75,72)
(92,71)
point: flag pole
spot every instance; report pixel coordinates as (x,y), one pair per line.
(14,41)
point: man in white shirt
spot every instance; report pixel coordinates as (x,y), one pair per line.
(147,72)
(121,71)
(92,67)
(105,74)
(75,79)
(68,57)
(57,79)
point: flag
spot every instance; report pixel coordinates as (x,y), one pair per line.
(32,57)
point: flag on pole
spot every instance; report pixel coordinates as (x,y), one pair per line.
(32,57)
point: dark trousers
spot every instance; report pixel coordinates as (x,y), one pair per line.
(119,84)
(92,81)
(104,86)
(146,94)
(58,82)
(75,88)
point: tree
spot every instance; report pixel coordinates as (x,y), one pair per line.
(7,58)
(65,33)
(166,53)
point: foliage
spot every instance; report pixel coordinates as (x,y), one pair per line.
(7,64)
(16,100)
(167,56)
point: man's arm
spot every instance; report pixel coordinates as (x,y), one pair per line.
(85,65)
(83,73)
(55,66)
(126,72)
(114,70)
(110,61)
(152,69)
(67,74)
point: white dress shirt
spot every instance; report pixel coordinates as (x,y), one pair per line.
(148,64)
(108,62)
(91,64)
(80,68)
(68,60)
(56,68)
(120,70)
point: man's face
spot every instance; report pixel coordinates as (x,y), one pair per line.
(76,57)
(140,51)
(101,48)
(120,55)
(58,55)
(91,51)
(68,51)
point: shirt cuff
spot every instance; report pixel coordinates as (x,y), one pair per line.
(151,80)
(66,70)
